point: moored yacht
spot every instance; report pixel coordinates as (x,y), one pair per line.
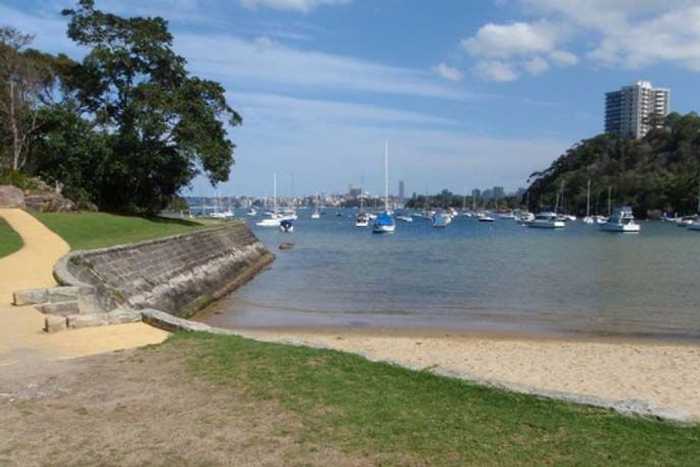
(384,223)
(362,219)
(546,220)
(441,219)
(622,221)
(484,217)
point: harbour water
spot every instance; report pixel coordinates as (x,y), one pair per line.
(471,276)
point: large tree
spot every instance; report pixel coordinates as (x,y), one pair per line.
(161,125)
(26,84)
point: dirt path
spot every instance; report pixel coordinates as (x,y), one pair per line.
(22,340)
(143,407)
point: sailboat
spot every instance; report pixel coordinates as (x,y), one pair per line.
(588,219)
(274,218)
(384,223)
(696,224)
(317,211)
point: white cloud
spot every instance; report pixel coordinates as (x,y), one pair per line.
(292,111)
(632,33)
(503,51)
(266,62)
(536,65)
(504,41)
(450,73)
(495,70)
(563,58)
(295,5)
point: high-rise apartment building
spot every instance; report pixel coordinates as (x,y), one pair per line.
(633,110)
(402,191)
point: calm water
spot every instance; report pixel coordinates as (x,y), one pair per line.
(474,276)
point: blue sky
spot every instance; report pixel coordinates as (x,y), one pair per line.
(469,94)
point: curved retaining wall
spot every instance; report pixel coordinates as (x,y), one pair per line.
(178,275)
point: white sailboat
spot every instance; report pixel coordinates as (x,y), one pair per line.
(317,211)
(384,223)
(588,219)
(696,224)
(274,218)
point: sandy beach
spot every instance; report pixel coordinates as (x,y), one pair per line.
(640,376)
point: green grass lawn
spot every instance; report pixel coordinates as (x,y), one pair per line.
(409,417)
(89,230)
(10,241)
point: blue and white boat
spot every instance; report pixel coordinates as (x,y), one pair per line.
(441,219)
(384,223)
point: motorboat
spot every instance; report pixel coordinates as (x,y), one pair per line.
(287,226)
(547,220)
(316,214)
(694,226)
(484,217)
(223,215)
(685,221)
(362,219)
(622,221)
(441,219)
(252,212)
(600,220)
(588,220)
(526,217)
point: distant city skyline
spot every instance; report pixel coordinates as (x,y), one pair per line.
(471,94)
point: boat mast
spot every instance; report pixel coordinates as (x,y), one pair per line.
(274,193)
(588,199)
(609,201)
(386,176)
(464,200)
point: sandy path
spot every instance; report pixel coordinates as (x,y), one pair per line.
(648,377)
(21,337)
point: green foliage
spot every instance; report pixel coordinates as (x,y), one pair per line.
(88,230)
(133,126)
(9,240)
(417,418)
(659,172)
(18,179)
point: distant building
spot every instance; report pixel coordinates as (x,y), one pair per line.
(633,110)
(354,193)
(402,191)
(499,192)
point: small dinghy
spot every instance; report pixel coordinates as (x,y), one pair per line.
(287,226)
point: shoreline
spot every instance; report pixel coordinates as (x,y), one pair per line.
(642,377)
(464,333)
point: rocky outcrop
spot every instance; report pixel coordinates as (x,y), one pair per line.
(11,197)
(178,275)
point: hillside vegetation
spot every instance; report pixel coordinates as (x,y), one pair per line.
(660,172)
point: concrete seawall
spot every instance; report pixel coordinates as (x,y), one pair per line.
(178,275)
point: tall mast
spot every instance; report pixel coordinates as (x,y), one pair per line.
(274,192)
(588,199)
(386,176)
(464,200)
(609,201)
